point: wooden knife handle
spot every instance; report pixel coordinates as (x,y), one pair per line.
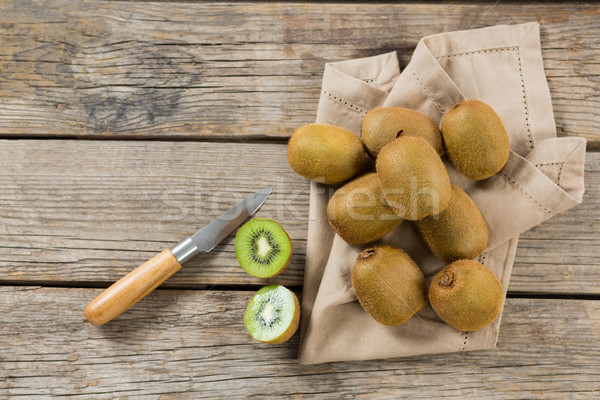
(131,288)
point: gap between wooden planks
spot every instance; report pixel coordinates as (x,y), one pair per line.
(122,69)
(87,212)
(194,343)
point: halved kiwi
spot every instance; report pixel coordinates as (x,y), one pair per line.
(263,248)
(273,314)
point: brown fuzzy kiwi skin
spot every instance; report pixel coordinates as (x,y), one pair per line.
(389,285)
(457,232)
(466,295)
(413,178)
(384,124)
(289,332)
(358,213)
(475,138)
(325,153)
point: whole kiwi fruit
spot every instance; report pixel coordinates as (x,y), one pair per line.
(457,232)
(389,285)
(466,295)
(325,153)
(384,124)
(358,213)
(413,178)
(475,139)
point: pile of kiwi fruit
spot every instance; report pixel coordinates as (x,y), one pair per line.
(410,182)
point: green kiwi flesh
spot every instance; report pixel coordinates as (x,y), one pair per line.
(263,248)
(272,315)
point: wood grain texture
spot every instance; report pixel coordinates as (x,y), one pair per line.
(91,211)
(192,344)
(87,212)
(231,70)
(131,288)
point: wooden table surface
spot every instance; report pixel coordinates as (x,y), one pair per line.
(124,126)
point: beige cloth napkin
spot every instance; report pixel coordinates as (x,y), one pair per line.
(500,65)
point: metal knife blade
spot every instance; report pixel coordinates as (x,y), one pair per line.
(212,234)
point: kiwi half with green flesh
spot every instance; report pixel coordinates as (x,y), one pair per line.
(413,178)
(384,124)
(475,138)
(457,232)
(358,213)
(263,248)
(389,285)
(272,315)
(466,295)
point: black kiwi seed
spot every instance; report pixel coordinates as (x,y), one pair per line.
(276,312)
(253,242)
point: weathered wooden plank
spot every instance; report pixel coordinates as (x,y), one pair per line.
(242,70)
(93,210)
(192,344)
(87,212)
(560,255)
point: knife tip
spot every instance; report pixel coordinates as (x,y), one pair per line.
(267,190)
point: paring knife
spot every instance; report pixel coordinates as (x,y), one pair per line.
(138,283)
